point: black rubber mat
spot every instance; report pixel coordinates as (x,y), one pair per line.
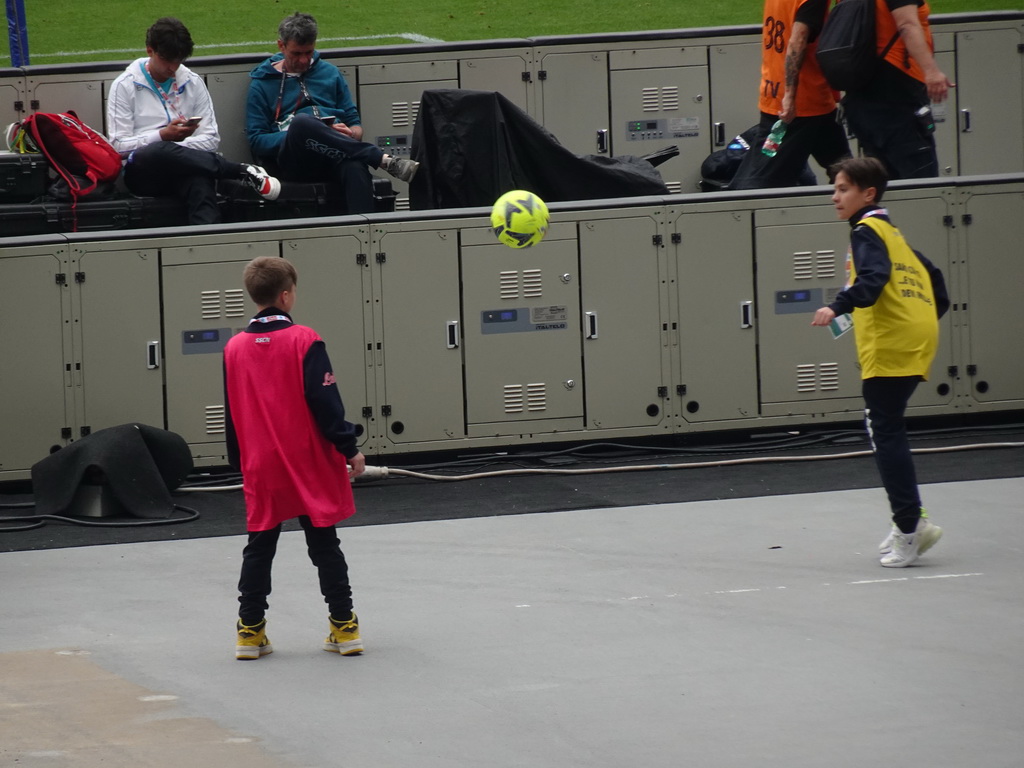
(399,499)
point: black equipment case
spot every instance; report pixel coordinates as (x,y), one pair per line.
(23,178)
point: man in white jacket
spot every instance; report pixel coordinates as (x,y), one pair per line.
(160,118)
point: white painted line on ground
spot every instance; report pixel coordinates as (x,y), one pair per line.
(769,589)
(412,37)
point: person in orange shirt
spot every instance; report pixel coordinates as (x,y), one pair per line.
(793,90)
(890,114)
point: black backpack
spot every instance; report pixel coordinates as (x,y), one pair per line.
(846,50)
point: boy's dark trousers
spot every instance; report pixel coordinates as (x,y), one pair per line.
(885,403)
(258,557)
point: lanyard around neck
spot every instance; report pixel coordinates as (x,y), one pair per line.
(303,93)
(165,97)
(270,319)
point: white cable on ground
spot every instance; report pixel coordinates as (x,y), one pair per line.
(380,473)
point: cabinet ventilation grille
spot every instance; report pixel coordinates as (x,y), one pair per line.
(233,306)
(532,397)
(819,264)
(817,378)
(234,303)
(215,419)
(403,113)
(509,284)
(532,285)
(210,302)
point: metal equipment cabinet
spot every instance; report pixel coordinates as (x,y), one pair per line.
(991,228)
(712,324)
(624,295)
(205,303)
(989,100)
(660,97)
(79,344)
(521,313)
(801,251)
(415,345)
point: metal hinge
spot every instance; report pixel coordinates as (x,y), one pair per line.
(381,258)
(662,392)
(953,371)
(65,433)
(79,277)
(947,221)
(385,410)
(542,74)
(34,104)
(361,259)
(85,431)
(677,238)
(657,240)
(60,278)
(681,390)
(19,106)
(972,370)
(967,219)
(526,77)
(367,412)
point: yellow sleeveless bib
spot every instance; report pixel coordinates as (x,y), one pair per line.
(899,334)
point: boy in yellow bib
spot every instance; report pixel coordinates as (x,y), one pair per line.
(897,297)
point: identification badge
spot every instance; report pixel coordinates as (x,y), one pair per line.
(840,325)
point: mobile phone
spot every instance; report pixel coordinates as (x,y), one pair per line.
(194,120)
(327,119)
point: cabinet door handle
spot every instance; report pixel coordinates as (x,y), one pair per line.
(966,113)
(452,334)
(153,355)
(591,324)
(746,314)
(719,134)
(602,141)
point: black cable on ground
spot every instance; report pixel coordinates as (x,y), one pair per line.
(38,521)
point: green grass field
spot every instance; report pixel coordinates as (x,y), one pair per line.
(114,30)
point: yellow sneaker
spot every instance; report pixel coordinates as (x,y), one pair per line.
(252,641)
(344,637)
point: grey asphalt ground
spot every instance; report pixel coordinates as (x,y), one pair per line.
(738,632)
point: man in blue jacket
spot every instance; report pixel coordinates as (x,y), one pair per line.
(301,120)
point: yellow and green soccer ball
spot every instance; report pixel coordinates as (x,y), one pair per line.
(520,219)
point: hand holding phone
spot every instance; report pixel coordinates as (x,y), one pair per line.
(327,119)
(194,121)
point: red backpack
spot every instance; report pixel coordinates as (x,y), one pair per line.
(82,157)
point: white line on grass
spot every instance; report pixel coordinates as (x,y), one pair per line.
(410,36)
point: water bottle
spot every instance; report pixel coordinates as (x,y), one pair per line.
(771,144)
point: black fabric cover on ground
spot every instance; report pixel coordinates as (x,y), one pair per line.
(473,146)
(140,464)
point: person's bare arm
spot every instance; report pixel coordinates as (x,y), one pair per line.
(917,45)
(796,50)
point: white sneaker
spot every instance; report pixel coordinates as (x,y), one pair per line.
(265,185)
(905,550)
(907,547)
(929,532)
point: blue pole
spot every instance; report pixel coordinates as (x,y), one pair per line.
(17,32)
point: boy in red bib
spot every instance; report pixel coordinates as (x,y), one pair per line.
(897,297)
(287,433)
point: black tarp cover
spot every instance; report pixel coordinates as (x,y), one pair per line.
(140,464)
(473,146)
